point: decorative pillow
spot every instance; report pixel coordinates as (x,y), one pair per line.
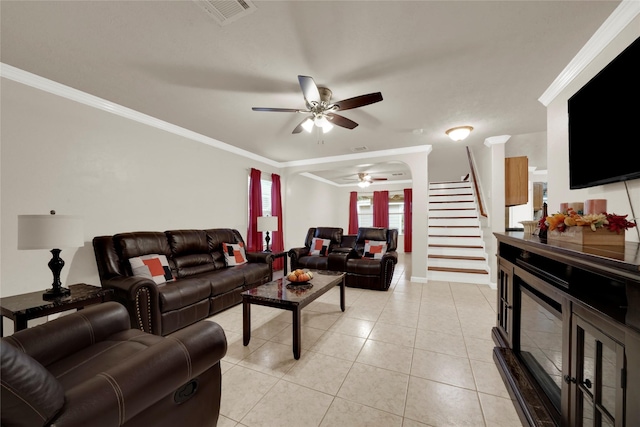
(320,246)
(234,253)
(374,249)
(153,266)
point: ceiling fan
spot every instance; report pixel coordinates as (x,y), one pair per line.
(364,179)
(321,109)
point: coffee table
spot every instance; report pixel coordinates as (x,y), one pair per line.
(293,298)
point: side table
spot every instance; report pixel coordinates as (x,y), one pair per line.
(283,254)
(21,308)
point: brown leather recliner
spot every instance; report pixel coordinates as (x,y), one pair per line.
(334,260)
(90,368)
(369,273)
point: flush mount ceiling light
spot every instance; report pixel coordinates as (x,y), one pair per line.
(459,133)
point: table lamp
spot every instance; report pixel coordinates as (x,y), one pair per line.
(47,232)
(267,223)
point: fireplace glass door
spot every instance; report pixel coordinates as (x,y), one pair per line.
(541,342)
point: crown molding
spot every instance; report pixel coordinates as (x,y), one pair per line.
(495,140)
(46,85)
(626,12)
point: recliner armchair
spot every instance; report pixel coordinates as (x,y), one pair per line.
(334,260)
(371,273)
(89,368)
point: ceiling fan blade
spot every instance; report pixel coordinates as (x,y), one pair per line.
(309,89)
(378,179)
(279,110)
(342,121)
(359,101)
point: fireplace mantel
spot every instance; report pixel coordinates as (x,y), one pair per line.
(597,292)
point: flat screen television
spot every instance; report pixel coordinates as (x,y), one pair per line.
(603,124)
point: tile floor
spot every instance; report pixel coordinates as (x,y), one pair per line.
(417,355)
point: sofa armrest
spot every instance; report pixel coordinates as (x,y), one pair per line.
(116,395)
(337,261)
(263,257)
(141,298)
(55,340)
(295,254)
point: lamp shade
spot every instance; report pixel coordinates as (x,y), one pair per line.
(267,223)
(50,231)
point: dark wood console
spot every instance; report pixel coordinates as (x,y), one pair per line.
(568,331)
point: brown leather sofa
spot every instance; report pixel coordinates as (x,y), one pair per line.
(346,254)
(89,368)
(204,284)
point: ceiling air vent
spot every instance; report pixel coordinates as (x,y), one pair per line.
(226,11)
(359,149)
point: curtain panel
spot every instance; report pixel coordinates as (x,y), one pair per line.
(353,213)
(381,209)
(408,218)
(277,244)
(254,238)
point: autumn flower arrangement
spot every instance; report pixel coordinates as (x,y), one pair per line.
(560,221)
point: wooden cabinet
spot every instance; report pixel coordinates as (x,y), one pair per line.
(516,180)
(538,192)
(567,333)
(598,374)
(505,301)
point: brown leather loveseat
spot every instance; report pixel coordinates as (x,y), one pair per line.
(89,368)
(346,253)
(204,282)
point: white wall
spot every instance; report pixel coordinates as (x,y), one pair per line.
(118,174)
(311,204)
(558,137)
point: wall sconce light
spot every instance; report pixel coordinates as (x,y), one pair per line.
(459,133)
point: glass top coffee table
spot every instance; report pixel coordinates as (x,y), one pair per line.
(286,295)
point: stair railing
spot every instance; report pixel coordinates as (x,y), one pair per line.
(483,212)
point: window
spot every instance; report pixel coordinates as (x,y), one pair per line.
(396,211)
(266,197)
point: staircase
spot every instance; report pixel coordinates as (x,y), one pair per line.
(456,251)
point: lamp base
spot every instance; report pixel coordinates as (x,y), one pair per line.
(55,293)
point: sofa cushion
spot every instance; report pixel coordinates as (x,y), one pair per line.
(314,262)
(190,252)
(319,246)
(153,266)
(374,249)
(234,254)
(31,396)
(216,237)
(364,266)
(225,280)
(129,245)
(185,291)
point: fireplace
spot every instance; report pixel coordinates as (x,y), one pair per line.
(539,342)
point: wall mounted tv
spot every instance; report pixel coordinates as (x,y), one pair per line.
(603,119)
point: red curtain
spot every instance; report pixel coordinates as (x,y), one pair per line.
(381,209)
(353,213)
(254,238)
(277,242)
(408,218)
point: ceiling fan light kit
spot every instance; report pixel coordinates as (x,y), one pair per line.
(322,110)
(459,133)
